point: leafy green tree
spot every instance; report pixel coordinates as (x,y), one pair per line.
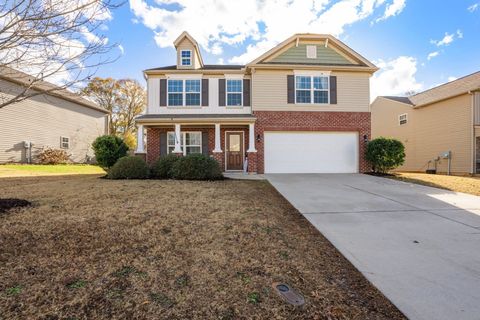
(385,154)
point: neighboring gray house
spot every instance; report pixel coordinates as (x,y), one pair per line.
(55,118)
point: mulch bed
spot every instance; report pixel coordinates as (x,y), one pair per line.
(99,249)
(7,204)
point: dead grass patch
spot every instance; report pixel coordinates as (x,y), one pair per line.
(100,249)
(469,185)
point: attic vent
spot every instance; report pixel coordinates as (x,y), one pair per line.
(312,52)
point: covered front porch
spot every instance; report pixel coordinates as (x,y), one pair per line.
(229,139)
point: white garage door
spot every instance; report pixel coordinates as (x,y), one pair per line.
(311,152)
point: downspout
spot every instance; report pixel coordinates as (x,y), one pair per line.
(472,135)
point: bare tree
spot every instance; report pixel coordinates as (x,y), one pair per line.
(55,40)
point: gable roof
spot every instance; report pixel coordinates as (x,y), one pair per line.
(444,91)
(184,35)
(405,100)
(357,59)
(24,79)
(447,90)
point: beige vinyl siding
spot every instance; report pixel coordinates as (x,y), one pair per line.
(269,92)
(153,103)
(430,131)
(186,44)
(43,120)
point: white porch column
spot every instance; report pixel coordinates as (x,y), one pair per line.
(140,146)
(218,147)
(178,139)
(251,140)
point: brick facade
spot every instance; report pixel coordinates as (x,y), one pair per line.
(312,121)
(153,141)
(275,121)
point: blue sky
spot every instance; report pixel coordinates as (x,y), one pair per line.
(397,35)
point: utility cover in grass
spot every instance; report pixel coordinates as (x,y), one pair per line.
(288,294)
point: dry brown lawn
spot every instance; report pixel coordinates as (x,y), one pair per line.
(92,248)
(469,185)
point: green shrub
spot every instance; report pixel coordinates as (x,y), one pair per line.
(108,149)
(162,168)
(130,167)
(196,167)
(385,154)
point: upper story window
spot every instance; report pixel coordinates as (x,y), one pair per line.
(234,92)
(402,119)
(312,89)
(186,56)
(184,92)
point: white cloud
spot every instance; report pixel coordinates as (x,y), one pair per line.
(452,78)
(122,50)
(217,23)
(459,34)
(447,39)
(395,77)
(473,7)
(432,55)
(393,9)
(220,61)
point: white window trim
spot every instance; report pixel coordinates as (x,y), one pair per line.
(61,142)
(312,90)
(181,58)
(241,93)
(184,93)
(183,141)
(400,119)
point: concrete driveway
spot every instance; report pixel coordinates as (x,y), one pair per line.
(419,245)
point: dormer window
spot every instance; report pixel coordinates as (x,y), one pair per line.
(186,57)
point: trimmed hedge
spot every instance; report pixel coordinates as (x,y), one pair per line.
(108,149)
(196,167)
(385,154)
(162,168)
(130,167)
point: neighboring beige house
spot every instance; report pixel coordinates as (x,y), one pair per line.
(434,123)
(301,107)
(59,119)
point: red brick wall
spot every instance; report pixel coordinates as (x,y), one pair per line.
(312,121)
(153,141)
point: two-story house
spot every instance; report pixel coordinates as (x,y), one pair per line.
(302,107)
(440,127)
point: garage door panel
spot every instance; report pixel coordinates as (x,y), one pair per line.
(311,152)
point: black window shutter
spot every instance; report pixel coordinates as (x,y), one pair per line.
(333,90)
(291,89)
(163,144)
(246,92)
(204,92)
(163,92)
(221,92)
(205,143)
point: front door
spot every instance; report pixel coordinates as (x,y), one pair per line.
(234,150)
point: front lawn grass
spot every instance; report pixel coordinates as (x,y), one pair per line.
(19,170)
(469,185)
(91,248)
